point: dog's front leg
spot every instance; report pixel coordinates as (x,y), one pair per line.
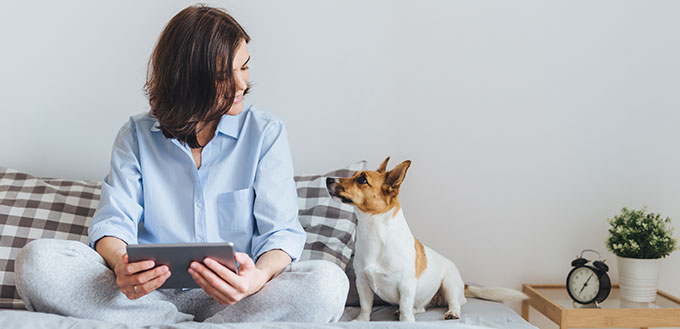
(407,295)
(365,299)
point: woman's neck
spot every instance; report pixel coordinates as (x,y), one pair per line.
(204,135)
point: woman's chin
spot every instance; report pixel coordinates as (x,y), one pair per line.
(236,109)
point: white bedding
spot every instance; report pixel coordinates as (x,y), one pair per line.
(476,314)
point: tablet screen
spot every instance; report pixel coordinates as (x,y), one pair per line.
(178,257)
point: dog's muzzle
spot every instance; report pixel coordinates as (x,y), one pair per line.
(329,182)
(333,190)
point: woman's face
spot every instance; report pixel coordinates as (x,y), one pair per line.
(241,77)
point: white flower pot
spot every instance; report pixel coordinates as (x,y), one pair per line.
(638,279)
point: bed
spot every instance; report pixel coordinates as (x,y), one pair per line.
(33,207)
(476,314)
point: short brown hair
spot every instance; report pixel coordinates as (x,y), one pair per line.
(190,69)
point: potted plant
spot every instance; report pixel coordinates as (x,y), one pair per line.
(639,240)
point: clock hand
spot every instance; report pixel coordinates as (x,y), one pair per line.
(585,284)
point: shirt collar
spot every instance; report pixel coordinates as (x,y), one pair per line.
(229,125)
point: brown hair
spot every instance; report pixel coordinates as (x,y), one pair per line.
(189,76)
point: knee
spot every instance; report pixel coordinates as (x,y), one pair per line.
(37,260)
(32,256)
(328,288)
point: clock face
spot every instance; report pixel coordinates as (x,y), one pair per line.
(583,284)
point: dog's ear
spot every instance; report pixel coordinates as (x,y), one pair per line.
(383,165)
(396,176)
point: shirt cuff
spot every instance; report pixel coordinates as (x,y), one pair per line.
(101,231)
(291,247)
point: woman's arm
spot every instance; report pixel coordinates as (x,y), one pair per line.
(276,203)
(273,261)
(121,205)
(114,223)
(111,249)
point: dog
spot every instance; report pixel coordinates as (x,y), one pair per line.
(393,264)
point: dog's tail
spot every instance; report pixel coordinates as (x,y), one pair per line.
(495,294)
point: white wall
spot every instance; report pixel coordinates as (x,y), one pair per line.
(528,122)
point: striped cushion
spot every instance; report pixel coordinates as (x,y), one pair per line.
(32,208)
(329,224)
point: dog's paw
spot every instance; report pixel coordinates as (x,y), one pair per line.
(362,318)
(407,318)
(451,316)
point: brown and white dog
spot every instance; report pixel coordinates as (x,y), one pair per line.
(393,264)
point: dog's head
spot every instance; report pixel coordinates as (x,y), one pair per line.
(372,192)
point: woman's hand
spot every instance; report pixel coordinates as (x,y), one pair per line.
(225,286)
(136,279)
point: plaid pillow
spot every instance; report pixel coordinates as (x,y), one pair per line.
(32,208)
(329,223)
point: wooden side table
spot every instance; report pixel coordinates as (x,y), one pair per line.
(554,302)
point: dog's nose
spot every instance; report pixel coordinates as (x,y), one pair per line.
(330,181)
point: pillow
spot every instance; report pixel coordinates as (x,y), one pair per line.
(32,208)
(329,224)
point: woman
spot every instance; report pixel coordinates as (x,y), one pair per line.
(199,167)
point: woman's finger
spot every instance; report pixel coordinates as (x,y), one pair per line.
(153,284)
(210,290)
(215,281)
(132,268)
(244,260)
(146,276)
(225,273)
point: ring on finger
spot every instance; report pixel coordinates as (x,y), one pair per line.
(135,288)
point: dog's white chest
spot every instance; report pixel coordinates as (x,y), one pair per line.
(385,254)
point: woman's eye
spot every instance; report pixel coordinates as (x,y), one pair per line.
(245,68)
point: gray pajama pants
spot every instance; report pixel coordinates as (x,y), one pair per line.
(72,279)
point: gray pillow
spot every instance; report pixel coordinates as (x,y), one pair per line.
(329,224)
(32,208)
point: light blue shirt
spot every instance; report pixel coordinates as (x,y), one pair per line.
(243,193)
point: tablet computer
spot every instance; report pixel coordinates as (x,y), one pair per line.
(179,256)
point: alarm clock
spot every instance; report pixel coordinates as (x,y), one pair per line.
(587,284)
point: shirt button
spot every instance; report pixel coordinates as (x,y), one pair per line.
(199,204)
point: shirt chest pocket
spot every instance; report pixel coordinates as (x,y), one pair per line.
(235,209)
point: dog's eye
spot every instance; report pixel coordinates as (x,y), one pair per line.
(362,179)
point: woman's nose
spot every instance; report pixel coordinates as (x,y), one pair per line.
(241,81)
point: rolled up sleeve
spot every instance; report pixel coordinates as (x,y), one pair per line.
(121,206)
(276,204)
